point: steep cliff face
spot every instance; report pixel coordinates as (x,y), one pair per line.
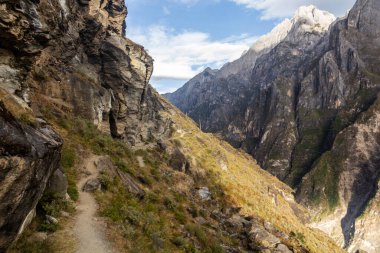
(29,148)
(242,106)
(69,55)
(309,115)
(96,73)
(350,166)
(29,154)
(77,59)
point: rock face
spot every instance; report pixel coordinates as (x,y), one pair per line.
(80,63)
(28,156)
(66,56)
(308,112)
(57,183)
(205,97)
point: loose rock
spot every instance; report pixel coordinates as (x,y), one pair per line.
(92,185)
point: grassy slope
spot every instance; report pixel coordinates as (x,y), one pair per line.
(167,219)
(245,183)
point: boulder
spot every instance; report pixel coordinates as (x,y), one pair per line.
(204,193)
(282,248)
(51,219)
(130,184)
(104,164)
(178,161)
(57,183)
(237,223)
(92,185)
(259,236)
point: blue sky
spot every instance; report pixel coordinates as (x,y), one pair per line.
(186,36)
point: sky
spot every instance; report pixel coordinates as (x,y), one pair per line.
(186,36)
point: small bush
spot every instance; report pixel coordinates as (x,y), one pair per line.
(299,236)
(123,166)
(115,209)
(170,204)
(180,216)
(73,191)
(23,245)
(28,119)
(48,227)
(197,231)
(67,157)
(52,204)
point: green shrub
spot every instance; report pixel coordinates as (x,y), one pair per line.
(52,204)
(115,209)
(170,204)
(23,245)
(180,216)
(48,227)
(67,157)
(299,236)
(73,191)
(123,166)
(197,231)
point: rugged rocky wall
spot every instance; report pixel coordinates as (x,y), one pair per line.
(29,154)
(81,62)
(345,178)
(308,115)
(65,56)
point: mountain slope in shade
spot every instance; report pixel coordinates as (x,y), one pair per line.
(308,114)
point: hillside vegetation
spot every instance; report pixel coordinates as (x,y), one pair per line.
(170,215)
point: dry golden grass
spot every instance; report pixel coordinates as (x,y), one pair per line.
(17,107)
(246,184)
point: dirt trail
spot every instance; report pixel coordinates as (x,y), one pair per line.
(89,230)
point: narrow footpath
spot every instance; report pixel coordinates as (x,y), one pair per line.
(88,229)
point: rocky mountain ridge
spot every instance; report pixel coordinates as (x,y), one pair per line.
(307,19)
(307,112)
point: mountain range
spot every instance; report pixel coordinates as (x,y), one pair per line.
(303,102)
(93,159)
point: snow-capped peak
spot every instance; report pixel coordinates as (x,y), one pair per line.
(305,19)
(311,19)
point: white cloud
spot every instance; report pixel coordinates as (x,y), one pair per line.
(180,56)
(285,8)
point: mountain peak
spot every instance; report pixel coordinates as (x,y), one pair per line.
(310,18)
(306,19)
